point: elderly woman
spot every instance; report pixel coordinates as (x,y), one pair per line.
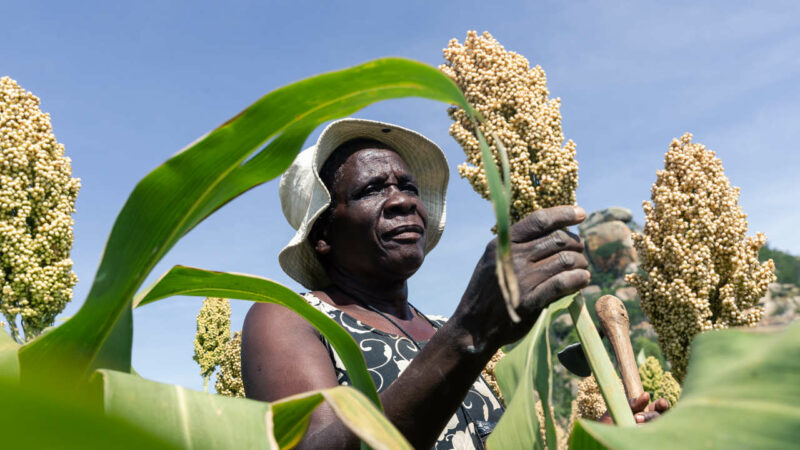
(368,202)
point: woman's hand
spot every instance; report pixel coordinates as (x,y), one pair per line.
(643,410)
(548,262)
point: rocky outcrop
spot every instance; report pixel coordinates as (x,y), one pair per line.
(781,304)
(606,215)
(608,240)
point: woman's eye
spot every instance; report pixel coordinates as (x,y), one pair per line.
(370,189)
(411,188)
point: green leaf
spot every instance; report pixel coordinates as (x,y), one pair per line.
(291,416)
(9,361)
(500,194)
(741,391)
(176,196)
(602,368)
(190,419)
(182,417)
(203,283)
(524,373)
(40,418)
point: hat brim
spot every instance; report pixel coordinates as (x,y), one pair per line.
(304,196)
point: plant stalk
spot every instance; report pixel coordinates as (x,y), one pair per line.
(600,363)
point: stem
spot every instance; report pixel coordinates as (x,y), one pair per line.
(600,363)
(205,382)
(12,326)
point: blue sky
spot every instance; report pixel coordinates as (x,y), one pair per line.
(128,84)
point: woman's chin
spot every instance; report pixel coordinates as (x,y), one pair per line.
(405,263)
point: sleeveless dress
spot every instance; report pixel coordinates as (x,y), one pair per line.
(388,355)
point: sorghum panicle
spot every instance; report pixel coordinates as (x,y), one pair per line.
(37,199)
(590,404)
(658,383)
(700,270)
(229,378)
(512,98)
(213,334)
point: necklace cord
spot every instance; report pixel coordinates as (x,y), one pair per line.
(386,316)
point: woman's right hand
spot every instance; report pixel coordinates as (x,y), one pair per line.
(549,264)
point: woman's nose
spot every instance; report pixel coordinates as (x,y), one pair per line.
(400,202)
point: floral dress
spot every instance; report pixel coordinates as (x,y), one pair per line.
(387,355)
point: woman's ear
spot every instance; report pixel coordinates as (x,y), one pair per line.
(322,247)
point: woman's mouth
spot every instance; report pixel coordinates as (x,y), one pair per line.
(405,233)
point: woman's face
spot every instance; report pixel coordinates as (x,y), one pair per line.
(377,227)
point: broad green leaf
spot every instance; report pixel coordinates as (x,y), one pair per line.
(742,390)
(602,368)
(524,373)
(182,417)
(175,197)
(41,419)
(191,419)
(203,283)
(291,418)
(9,361)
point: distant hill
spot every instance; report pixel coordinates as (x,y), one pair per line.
(787,266)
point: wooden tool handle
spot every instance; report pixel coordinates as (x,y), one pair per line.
(615,324)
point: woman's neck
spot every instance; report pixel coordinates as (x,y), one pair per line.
(388,297)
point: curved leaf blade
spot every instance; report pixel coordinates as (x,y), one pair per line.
(179,194)
(9,360)
(500,193)
(291,417)
(355,410)
(40,418)
(182,280)
(524,372)
(182,417)
(741,391)
(190,419)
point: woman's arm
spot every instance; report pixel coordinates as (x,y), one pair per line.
(283,355)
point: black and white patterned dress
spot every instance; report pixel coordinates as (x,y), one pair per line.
(388,355)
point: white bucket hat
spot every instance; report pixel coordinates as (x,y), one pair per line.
(304,197)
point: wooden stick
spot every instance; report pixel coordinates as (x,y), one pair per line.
(615,324)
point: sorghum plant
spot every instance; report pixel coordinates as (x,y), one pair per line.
(213,335)
(700,270)
(37,199)
(513,99)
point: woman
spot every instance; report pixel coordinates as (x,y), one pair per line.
(368,203)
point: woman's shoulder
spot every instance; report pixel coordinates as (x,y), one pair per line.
(317,302)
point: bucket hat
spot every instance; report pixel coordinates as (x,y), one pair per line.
(304,196)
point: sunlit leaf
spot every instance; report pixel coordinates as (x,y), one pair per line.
(41,419)
(9,361)
(182,417)
(741,391)
(291,417)
(179,194)
(191,419)
(524,373)
(203,283)
(500,194)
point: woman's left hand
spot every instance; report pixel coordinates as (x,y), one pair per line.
(643,410)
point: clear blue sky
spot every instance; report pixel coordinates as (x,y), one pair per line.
(130,83)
